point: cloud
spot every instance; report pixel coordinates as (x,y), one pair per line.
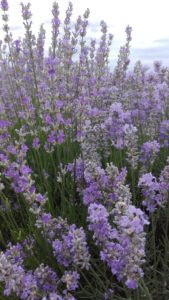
(160,52)
(164,41)
(16,28)
(150,54)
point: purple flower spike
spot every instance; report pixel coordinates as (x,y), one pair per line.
(4,5)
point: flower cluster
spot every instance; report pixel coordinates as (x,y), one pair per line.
(68,242)
(118,244)
(116,224)
(27,284)
(149,151)
(154,192)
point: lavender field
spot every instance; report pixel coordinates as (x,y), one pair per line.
(84,166)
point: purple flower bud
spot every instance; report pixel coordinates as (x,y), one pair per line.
(4,5)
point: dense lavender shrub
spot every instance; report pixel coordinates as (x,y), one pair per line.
(84,167)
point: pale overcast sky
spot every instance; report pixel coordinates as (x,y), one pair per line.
(148,18)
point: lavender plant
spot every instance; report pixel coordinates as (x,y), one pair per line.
(84,169)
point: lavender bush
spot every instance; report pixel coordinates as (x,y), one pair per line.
(84,166)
